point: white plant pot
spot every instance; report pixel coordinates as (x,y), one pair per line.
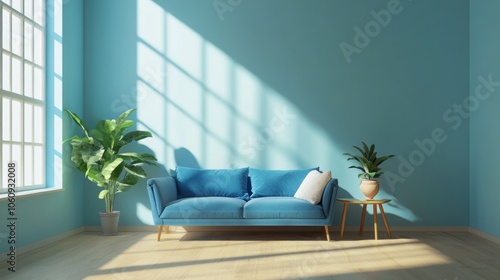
(109,222)
(369,188)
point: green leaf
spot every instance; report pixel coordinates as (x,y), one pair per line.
(122,118)
(372,149)
(108,168)
(130,179)
(78,121)
(103,194)
(102,133)
(117,172)
(123,187)
(95,176)
(136,170)
(136,136)
(130,156)
(138,158)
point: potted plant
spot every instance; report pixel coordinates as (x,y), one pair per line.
(97,155)
(369,165)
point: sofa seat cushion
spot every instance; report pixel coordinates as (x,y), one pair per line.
(281,208)
(204,208)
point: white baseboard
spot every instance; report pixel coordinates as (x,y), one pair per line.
(124,228)
(484,235)
(277,228)
(41,243)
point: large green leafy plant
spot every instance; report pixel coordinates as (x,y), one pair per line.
(97,155)
(368,161)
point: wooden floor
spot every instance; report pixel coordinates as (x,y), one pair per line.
(262,255)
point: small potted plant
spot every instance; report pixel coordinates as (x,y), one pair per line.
(97,155)
(369,165)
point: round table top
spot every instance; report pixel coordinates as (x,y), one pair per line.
(362,201)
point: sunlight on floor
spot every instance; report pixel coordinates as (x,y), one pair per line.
(259,256)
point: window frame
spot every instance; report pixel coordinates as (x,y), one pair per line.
(37,20)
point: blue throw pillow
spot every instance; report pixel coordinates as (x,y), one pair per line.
(192,182)
(276,182)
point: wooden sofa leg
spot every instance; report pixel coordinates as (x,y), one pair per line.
(167,230)
(160,229)
(327,233)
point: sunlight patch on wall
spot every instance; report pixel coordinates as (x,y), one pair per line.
(150,19)
(194,96)
(57,99)
(144,214)
(184,47)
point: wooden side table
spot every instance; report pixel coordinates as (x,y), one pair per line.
(365,203)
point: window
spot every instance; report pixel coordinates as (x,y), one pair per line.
(22,93)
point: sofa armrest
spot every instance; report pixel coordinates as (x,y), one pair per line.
(329,196)
(161,192)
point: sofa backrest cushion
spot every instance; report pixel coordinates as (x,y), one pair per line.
(276,182)
(192,182)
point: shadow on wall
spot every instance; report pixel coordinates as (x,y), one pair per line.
(184,157)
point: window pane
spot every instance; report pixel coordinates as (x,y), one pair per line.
(38,123)
(6,29)
(28,80)
(38,84)
(5,159)
(18,5)
(6,122)
(28,8)
(6,72)
(28,41)
(17,75)
(16,158)
(39,12)
(28,165)
(17,35)
(38,46)
(6,1)
(16,121)
(38,162)
(28,123)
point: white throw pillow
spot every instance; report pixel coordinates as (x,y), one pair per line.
(313,185)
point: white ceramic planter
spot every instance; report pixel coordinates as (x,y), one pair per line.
(369,188)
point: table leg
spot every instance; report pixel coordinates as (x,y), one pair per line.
(385,220)
(363,215)
(375,228)
(344,214)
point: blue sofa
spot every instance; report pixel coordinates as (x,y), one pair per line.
(237,197)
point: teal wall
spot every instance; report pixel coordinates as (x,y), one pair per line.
(46,215)
(484,130)
(290,84)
